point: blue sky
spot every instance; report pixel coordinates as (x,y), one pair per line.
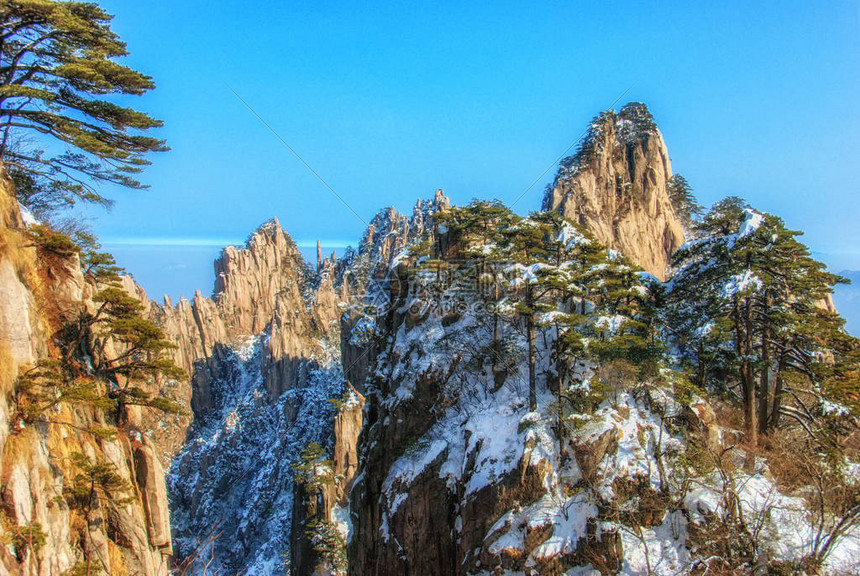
(390,102)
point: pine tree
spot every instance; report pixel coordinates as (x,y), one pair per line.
(750,295)
(524,243)
(58,64)
(481,223)
(314,470)
(95,487)
(683,200)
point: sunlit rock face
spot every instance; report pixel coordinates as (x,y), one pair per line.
(618,189)
(39,293)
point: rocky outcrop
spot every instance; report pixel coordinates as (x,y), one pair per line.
(390,232)
(17,317)
(21,340)
(359,346)
(617,187)
(128,532)
(249,281)
(347,427)
(315,507)
(431,482)
(150,478)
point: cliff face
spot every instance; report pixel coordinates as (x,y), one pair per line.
(261,287)
(43,529)
(444,452)
(249,281)
(260,357)
(616,186)
(459,475)
(289,345)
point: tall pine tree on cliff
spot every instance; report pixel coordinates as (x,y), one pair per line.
(57,70)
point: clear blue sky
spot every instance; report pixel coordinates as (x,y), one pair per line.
(389,103)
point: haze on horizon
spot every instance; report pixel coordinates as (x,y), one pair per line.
(389,103)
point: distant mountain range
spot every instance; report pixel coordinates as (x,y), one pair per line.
(847,300)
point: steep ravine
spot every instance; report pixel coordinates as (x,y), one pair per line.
(285,369)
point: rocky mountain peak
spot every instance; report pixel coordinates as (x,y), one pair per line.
(616,185)
(390,232)
(248,279)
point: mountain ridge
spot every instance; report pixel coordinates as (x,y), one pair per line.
(331,411)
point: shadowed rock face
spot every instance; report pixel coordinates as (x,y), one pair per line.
(266,353)
(617,187)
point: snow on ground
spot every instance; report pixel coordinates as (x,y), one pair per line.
(235,470)
(568,517)
(27,216)
(782,520)
(662,548)
(343,521)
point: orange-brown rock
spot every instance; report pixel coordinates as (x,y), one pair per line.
(618,189)
(36,297)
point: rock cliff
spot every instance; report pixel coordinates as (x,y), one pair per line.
(44,529)
(286,369)
(616,186)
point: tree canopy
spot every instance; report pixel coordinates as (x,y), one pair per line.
(57,68)
(683,200)
(748,305)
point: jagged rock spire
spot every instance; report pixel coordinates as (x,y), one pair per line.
(616,185)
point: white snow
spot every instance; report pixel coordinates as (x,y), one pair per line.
(27,216)
(363,332)
(752,221)
(743,283)
(236,467)
(829,408)
(343,521)
(612,324)
(662,547)
(570,237)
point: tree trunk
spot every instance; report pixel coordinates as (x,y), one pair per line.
(750,413)
(559,379)
(764,381)
(777,394)
(742,349)
(530,336)
(700,372)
